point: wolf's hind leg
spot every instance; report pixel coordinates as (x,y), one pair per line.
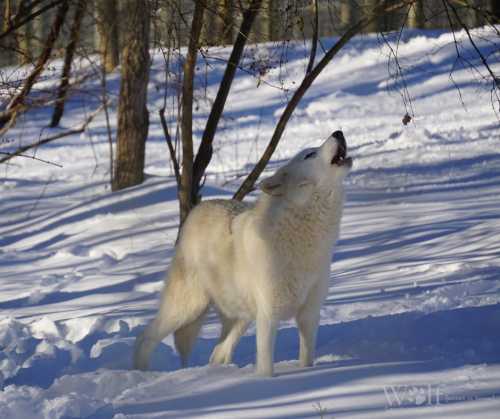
(232,330)
(183,302)
(185,336)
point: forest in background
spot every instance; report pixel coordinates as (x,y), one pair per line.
(95,38)
(278,20)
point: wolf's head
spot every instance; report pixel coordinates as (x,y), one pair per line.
(319,170)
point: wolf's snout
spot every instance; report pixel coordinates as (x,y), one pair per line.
(342,145)
(340,158)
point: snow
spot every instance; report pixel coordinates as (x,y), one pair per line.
(411,324)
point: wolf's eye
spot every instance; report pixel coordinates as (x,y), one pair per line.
(310,155)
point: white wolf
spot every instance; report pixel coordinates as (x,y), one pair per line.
(264,262)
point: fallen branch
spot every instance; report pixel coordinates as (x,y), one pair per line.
(54,137)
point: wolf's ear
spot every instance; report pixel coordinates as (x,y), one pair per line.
(274,185)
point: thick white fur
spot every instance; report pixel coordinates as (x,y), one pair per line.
(264,262)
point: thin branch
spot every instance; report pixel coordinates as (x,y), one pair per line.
(17,104)
(459,57)
(170,146)
(487,15)
(250,180)
(404,92)
(30,157)
(54,137)
(205,150)
(240,67)
(495,78)
(22,22)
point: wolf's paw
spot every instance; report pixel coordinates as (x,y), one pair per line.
(142,351)
(306,363)
(220,355)
(264,372)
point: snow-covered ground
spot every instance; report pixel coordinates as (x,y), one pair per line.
(411,326)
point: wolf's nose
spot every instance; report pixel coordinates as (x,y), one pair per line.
(339,136)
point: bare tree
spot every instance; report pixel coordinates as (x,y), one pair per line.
(205,151)
(133,115)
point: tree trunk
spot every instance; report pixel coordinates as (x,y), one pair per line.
(25,43)
(416,17)
(185,190)
(24,34)
(374,25)
(68,60)
(133,117)
(346,13)
(107,17)
(495,10)
(263,25)
(226,22)
(8,43)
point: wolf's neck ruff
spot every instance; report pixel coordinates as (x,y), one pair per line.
(305,235)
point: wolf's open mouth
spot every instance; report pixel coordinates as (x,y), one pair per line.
(340,158)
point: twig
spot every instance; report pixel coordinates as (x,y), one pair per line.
(54,137)
(405,93)
(495,78)
(32,16)
(170,146)
(32,158)
(488,16)
(35,205)
(17,104)
(240,67)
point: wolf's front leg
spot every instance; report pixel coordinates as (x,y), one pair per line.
(266,336)
(223,352)
(308,322)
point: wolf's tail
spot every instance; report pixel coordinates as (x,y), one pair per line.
(183,305)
